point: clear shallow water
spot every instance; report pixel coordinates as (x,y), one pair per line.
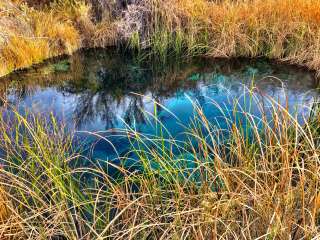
(101,90)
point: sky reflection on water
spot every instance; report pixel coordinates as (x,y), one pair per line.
(99,90)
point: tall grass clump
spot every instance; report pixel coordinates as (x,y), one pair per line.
(254,176)
(29,36)
(284,30)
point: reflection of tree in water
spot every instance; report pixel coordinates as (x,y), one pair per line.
(109,84)
(103,83)
(105,88)
(134,111)
(90,106)
(102,105)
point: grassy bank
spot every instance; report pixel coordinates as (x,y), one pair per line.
(222,184)
(256,178)
(285,30)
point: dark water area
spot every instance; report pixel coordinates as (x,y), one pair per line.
(99,90)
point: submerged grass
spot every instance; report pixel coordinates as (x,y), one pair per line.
(285,30)
(241,181)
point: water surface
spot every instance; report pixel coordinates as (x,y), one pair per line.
(100,90)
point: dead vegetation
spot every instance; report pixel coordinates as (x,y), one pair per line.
(223,188)
(30,36)
(287,30)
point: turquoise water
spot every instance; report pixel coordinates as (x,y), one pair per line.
(102,91)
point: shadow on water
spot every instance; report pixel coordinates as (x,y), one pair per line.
(94,91)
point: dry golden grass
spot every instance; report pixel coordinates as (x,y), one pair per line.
(287,30)
(30,36)
(4,210)
(236,188)
(229,188)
